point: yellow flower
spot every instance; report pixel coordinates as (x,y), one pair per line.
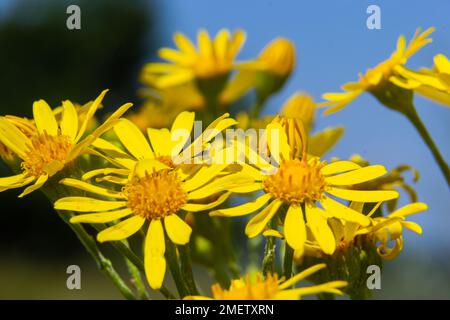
(304,186)
(212,59)
(150,186)
(390,228)
(54,145)
(386,71)
(278,57)
(272,288)
(433,84)
(153,192)
(381,230)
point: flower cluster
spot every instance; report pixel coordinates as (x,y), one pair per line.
(154,177)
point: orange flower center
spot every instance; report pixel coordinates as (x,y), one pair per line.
(245,289)
(155,195)
(44,150)
(296,181)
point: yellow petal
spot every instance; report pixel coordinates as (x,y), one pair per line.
(13,138)
(69,121)
(203,176)
(257,224)
(357,176)
(122,230)
(13,180)
(236,43)
(84,204)
(294,227)
(44,118)
(160,140)
(155,264)
(114,154)
(409,209)
(89,114)
(414,227)
(204,44)
(343,212)
(102,217)
(107,124)
(320,229)
(220,184)
(329,287)
(278,142)
(338,167)
(251,187)
(184,44)
(181,129)
(177,230)
(175,56)
(442,63)
(273,233)
(302,275)
(196,207)
(221,44)
(133,139)
(91,188)
(363,195)
(104,171)
(243,209)
(39,183)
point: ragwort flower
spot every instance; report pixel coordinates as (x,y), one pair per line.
(306,186)
(272,288)
(386,71)
(54,145)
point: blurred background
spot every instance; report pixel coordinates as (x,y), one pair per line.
(41,59)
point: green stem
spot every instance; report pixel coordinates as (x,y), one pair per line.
(103,263)
(287,263)
(186,269)
(125,251)
(174,267)
(136,276)
(269,253)
(420,127)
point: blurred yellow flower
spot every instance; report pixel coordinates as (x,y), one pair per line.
(433,84)
(386,71)
(214,58)
(54,145)
(302,184)
(278,57)
(272,288)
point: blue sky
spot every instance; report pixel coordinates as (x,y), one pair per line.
(333,46)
